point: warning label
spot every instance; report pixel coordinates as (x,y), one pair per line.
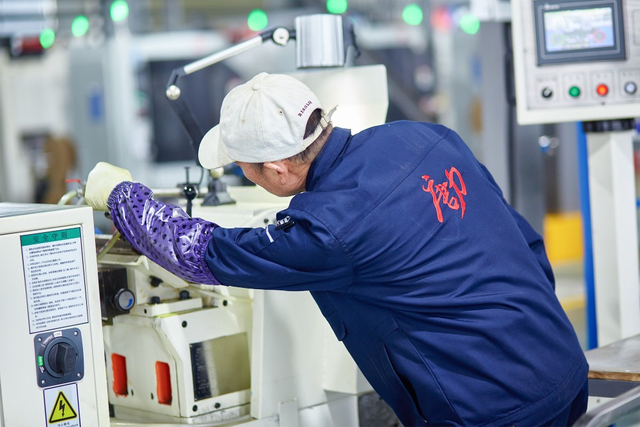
(61,406)
(54,279)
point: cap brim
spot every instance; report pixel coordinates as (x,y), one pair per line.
(212,152)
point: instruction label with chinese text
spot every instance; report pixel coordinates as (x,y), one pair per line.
(54,279)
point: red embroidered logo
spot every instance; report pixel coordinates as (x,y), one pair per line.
(441,193)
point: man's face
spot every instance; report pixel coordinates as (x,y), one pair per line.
(276,179)
(262,177)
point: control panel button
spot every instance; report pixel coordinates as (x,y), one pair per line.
(574,91)
(547,92)
(602,89)
(630,88)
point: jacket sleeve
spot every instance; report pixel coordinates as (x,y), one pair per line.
(302,255)
(162,232)
(533,238)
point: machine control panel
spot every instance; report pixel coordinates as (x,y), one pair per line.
(576,59)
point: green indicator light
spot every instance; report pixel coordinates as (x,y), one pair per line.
(412,14)
(80,26)
(574,91)
(47,37)
(337,6)
(257,20)
(119,10)
(40,361)
(469,24)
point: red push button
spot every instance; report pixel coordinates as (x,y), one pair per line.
(602,89)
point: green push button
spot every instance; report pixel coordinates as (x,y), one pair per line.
(574,91)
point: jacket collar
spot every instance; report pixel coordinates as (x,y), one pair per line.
(335,145)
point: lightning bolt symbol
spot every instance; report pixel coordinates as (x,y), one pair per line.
(61,407)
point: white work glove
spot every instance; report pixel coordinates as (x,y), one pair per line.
(101,181)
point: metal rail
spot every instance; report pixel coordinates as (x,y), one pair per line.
(612,411)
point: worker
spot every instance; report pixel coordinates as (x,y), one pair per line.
(440,290)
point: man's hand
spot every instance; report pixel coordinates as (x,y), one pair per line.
(101,181)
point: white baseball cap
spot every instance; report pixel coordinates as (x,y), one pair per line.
(262,120)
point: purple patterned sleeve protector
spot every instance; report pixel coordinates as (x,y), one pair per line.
(162,232)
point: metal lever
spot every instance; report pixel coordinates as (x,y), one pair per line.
(610,412)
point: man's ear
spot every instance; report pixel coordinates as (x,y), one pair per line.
(279,167)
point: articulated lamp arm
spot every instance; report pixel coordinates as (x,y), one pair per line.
(279,36)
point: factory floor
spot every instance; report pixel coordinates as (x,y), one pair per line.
(374,412)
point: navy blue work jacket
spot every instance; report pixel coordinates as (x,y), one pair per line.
(441,292)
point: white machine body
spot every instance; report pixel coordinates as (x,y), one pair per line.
(176,358)
(576,60)
(52,369)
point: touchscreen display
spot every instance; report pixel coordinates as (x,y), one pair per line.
(578,29)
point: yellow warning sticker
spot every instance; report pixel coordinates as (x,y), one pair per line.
(62,410)
(62,406)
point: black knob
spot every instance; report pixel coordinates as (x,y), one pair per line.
(155,300)
(184,294)
(62,359)
(547,92)
(190,191)
(123,300)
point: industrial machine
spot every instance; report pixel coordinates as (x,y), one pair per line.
(576,60)
(174,352)
(52,369)
(184,353)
